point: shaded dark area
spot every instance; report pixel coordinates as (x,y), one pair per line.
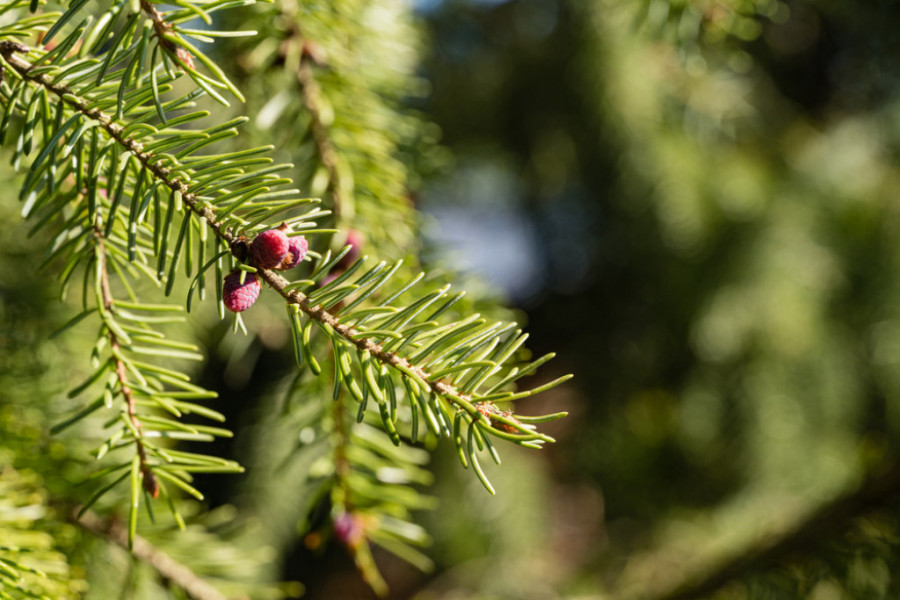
(625,327)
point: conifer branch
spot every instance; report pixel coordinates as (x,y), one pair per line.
(151,162)
(148,480)
(163,31)
(832,518)
(349,525)
(356,129)
(311,92)
(194,585)
(442,367)
(102,119)
(279,284)
(160,27)
(33,565)
(341,462)
(8,51)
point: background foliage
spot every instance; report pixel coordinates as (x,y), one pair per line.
(692,201)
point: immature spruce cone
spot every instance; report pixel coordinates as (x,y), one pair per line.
(349,529)
(269,248)
(239,297)
(297,249)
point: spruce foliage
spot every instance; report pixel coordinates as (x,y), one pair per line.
(145,194)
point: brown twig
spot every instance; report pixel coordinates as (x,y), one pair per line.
(161,30)
(311,93)
(160,26)
(195,586)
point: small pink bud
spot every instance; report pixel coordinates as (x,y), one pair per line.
(297,249)
(269,248)
(355,241)
(349,529)
(239,297)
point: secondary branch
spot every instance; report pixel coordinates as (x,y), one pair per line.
(311,93)
(149,480)
(195,586)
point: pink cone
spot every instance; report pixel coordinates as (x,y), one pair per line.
(349,529)
(297,249)
(269,248)
(239,297)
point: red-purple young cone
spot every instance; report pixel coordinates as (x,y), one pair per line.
(297,249)
(269,248)
(349,529)
(355,240)
(239,297)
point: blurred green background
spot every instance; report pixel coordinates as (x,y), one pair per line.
(693,202)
